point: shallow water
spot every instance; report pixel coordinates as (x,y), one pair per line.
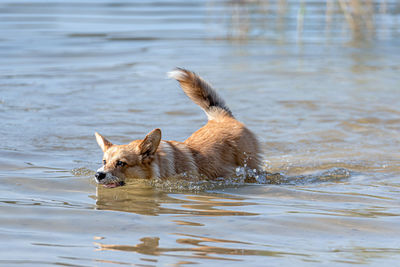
(321,94)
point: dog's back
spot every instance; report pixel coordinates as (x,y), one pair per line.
(223,143)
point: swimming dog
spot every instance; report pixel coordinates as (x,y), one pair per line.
(215,150)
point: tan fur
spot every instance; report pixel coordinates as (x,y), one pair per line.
(215,150)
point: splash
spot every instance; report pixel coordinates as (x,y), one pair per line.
(82,171)
(330,175)
(245,176)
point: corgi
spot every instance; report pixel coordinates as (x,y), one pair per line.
(213,151)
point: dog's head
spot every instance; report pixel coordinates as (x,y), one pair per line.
(127,161)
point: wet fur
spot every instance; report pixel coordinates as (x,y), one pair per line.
(215,150)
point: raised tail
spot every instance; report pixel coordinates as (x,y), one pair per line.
(201,93)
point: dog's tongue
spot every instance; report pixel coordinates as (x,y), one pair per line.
(112,185)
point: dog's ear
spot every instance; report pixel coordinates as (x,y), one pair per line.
(149,145)
(103,142)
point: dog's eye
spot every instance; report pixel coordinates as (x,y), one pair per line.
(120,163)
(104,162)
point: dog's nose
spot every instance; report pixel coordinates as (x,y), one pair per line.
(100,176)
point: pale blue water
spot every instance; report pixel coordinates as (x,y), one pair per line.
(322,98)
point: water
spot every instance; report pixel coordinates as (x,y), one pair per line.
(319,88)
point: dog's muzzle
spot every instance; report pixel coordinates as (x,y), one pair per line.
(100,176)
(107,180)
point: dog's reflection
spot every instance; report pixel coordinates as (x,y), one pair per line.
(197,246)
(142,198)
(137,198)
(148,246)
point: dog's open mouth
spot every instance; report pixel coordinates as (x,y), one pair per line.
(114,184)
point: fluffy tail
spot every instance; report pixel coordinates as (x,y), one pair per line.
(201,93)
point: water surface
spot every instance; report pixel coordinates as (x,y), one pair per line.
(319,88)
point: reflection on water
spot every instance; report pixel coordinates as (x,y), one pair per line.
(141,198)
(198,248)
(317,81)
(355,20)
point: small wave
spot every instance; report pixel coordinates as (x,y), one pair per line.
(330,175)
(243,176)
(82,171)
(182,183)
